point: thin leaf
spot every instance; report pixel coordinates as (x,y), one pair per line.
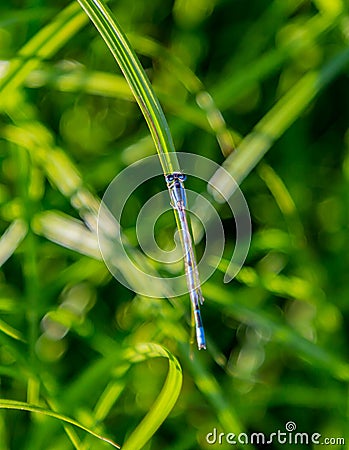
(165,401)
(136,77)
(22,406)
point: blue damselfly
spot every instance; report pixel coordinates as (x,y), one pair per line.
(175,184)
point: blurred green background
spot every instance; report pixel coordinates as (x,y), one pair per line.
(277,71)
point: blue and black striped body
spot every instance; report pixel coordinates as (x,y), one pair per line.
(175,184)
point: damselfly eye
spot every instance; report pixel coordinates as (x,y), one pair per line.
(169,178)
(182,177)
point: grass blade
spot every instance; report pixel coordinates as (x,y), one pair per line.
(23,406)
(136,77)
(165,401)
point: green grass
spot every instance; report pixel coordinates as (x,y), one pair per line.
(261,89)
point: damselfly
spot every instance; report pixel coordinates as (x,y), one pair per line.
(175,184)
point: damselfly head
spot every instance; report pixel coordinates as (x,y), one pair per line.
(170,178)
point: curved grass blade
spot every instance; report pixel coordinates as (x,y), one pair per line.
(165,401)
(136,77)
(138,81)
(23,406)
(114,366)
